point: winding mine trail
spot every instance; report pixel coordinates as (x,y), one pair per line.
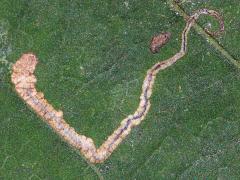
(24,80)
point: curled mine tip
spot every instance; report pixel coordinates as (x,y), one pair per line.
(159,41)
(215,15)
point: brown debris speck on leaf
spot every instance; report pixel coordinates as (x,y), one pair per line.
(159,41)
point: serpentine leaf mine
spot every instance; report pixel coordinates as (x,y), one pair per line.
(24,80)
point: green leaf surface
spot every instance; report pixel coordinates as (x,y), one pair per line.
(93,56)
